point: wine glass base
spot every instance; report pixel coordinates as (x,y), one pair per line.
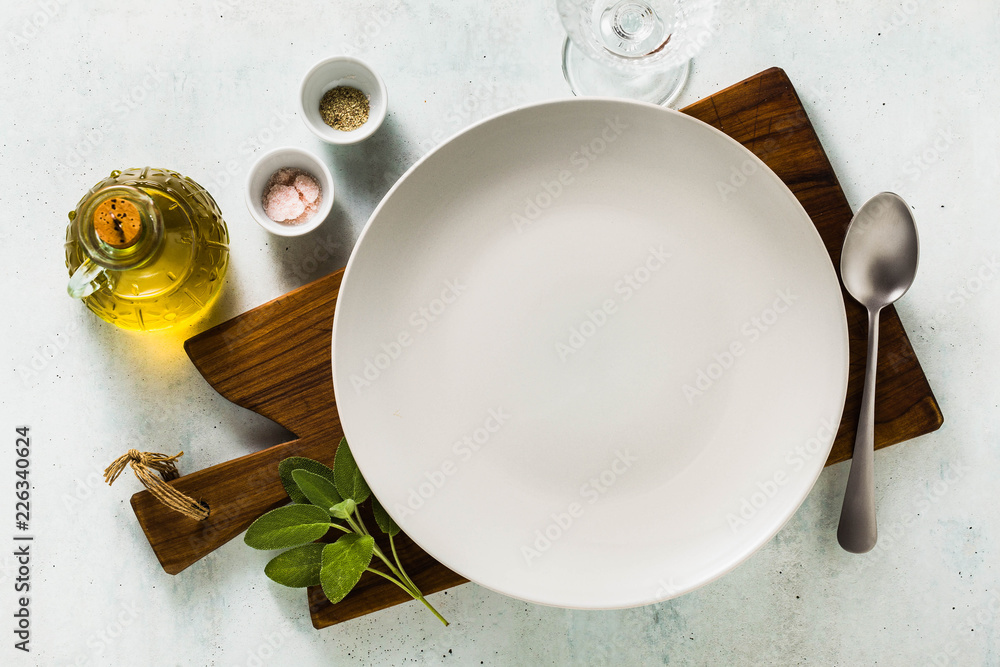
(589,78)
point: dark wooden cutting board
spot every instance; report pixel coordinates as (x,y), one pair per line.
(275,360)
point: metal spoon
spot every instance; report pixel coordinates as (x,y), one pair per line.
(877,266)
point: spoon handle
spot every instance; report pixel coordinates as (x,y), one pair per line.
(858,531)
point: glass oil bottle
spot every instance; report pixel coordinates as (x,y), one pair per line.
(146,249)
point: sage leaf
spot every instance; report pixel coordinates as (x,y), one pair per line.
(320,491)
(286,467)
(348,477)
(343,509)
(288,526)
(344,562)
(298,567)
(383,519)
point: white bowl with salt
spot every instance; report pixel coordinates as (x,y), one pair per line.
(289,191)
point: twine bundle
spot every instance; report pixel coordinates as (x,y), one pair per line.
(143,464)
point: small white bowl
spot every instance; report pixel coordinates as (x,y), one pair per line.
(342,71)
(294,158)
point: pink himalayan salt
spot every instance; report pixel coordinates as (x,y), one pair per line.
(292,196)
(307,187)
(284,202)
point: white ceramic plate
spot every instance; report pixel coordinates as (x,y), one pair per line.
(590,353)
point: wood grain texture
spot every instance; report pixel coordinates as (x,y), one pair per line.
(236,492)
(275,360)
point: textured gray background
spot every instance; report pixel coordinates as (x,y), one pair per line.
(904,97)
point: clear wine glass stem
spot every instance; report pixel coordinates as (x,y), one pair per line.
(632,28)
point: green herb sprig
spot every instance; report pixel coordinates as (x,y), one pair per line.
(323,499)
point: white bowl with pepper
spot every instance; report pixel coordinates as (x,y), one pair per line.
(343,100)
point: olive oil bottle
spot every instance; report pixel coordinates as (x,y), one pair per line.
(146,249)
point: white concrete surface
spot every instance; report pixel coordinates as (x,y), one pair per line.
(904,96)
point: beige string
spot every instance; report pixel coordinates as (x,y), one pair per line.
(142,465)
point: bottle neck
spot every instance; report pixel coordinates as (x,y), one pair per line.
(119,227)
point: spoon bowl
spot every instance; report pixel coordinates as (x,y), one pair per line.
(879,259)
(878,264)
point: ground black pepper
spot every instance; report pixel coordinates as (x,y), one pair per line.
(344,108)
